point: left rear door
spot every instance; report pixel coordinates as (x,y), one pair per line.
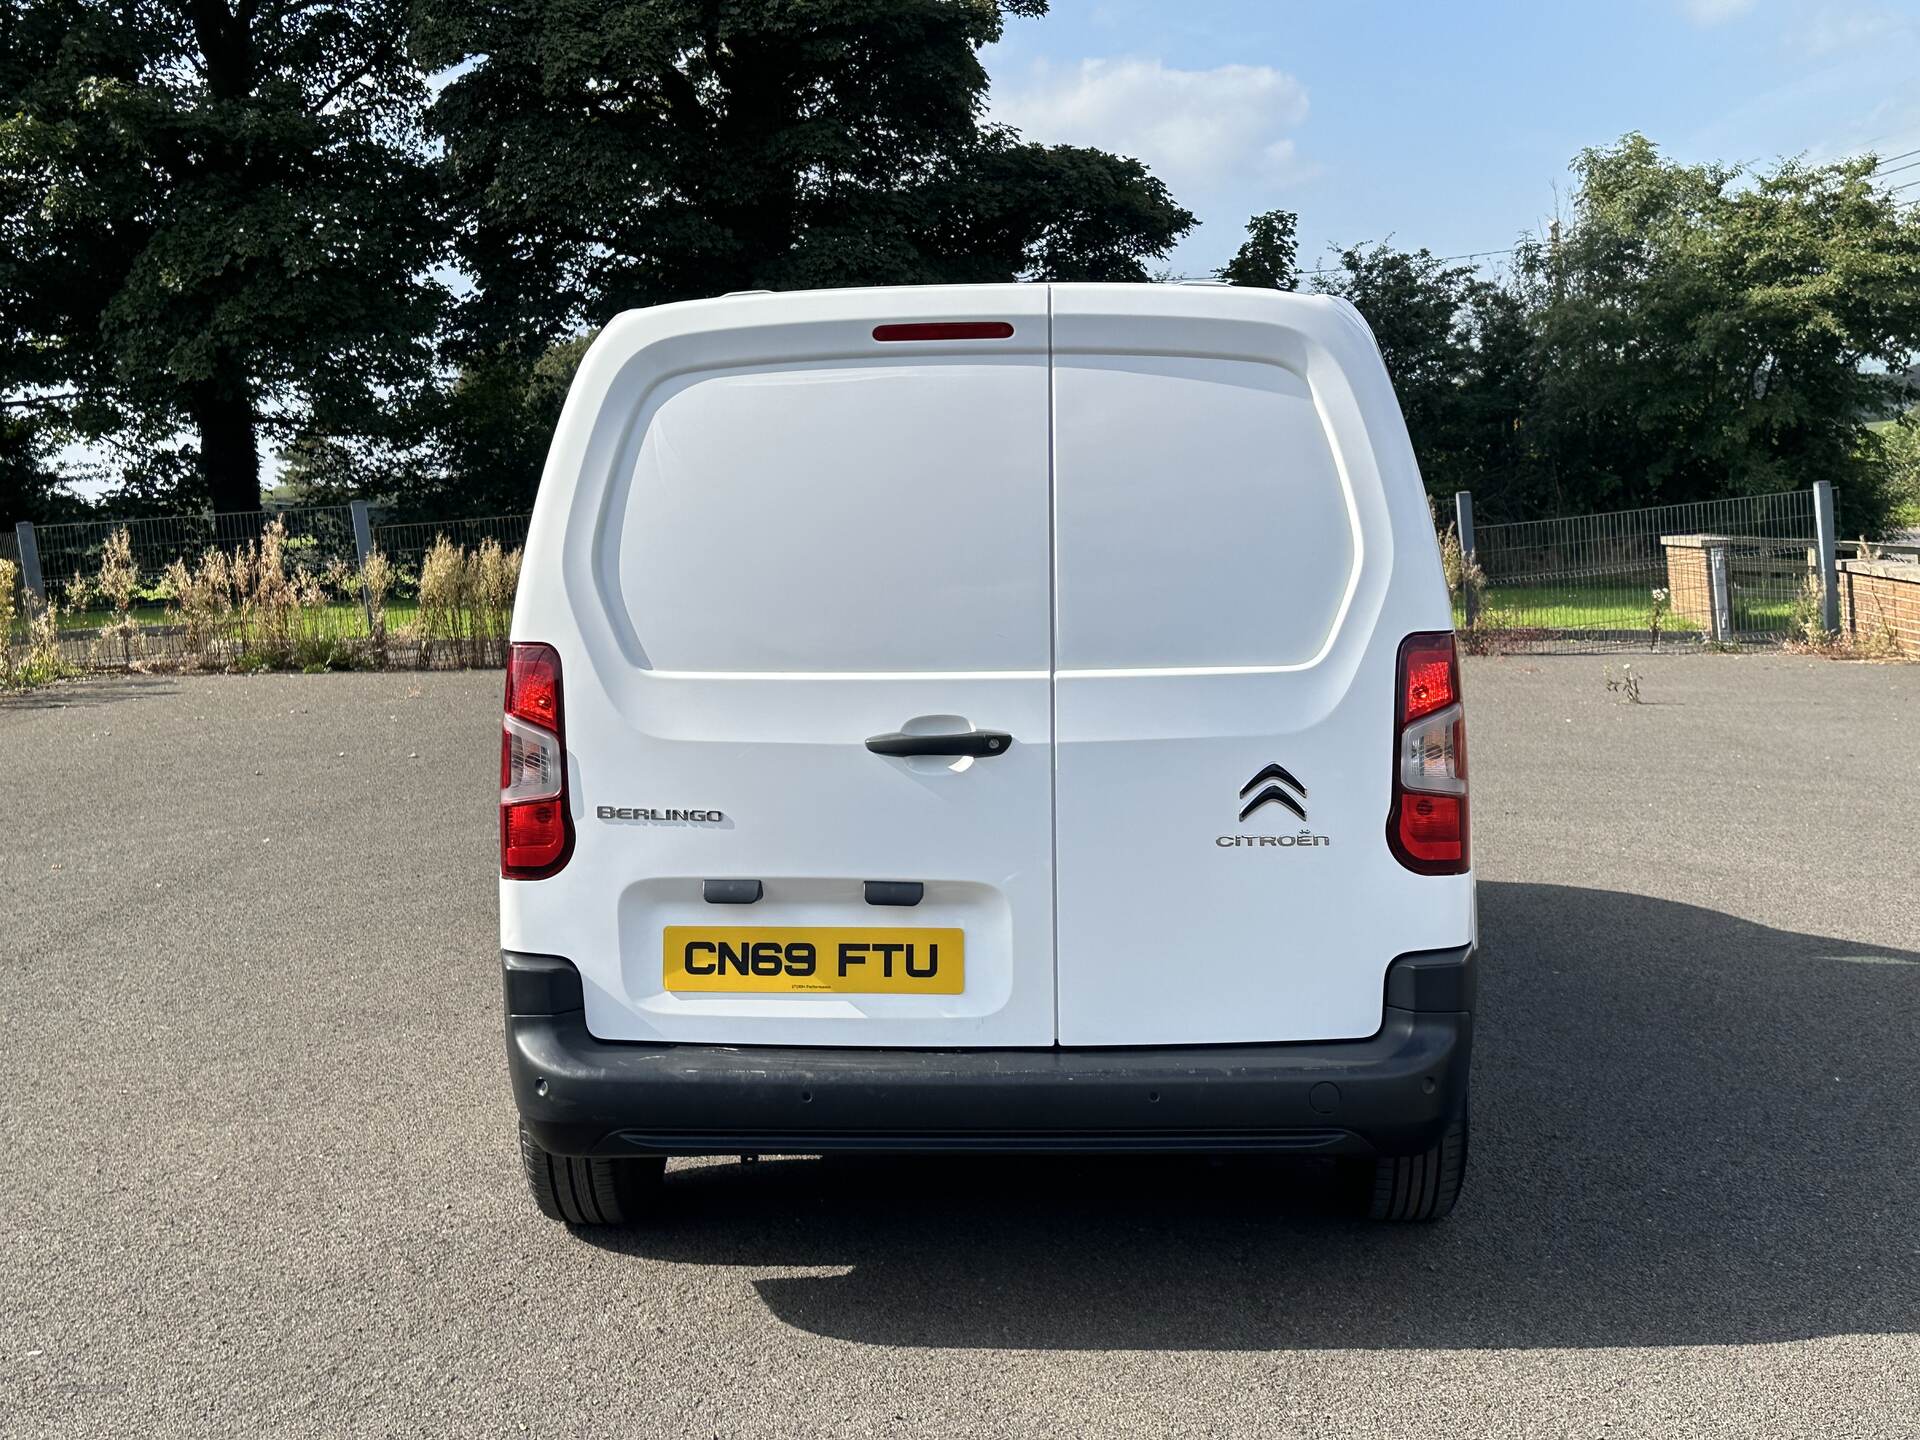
(811,537)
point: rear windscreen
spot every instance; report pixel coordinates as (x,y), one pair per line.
(852,517)
(1200,515)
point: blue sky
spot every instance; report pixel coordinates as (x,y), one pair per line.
(1448,126)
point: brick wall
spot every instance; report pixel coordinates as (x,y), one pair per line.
(1688,582)
(1879,597)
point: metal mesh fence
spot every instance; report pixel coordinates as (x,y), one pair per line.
(317,537)
(406,544)
(320,618)
(1730,571)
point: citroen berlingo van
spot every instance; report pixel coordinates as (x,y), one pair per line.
(985,718)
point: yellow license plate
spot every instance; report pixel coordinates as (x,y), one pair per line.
(813,959)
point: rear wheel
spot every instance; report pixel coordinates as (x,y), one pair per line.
(591,1191)
(1414,1187)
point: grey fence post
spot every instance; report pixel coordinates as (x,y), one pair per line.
(1720,594)
(30,564)
(363,546)
(1463,526)
(1823,533)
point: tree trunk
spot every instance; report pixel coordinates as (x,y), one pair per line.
(229,446)
(222,407)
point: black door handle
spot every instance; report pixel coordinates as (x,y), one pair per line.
(983,743)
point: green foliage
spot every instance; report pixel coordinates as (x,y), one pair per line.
(496,422)
(1695,332)
(1707,331)
(1893,451)
(1268,256)
(223,220)
(218,219)
(634,152)
(1459,349)
(29,487)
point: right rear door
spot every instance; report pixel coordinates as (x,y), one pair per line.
(1225,638)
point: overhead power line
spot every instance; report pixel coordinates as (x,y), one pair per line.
(1879,170)
(1335,269)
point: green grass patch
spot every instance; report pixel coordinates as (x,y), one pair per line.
(341,617)
(1585,605)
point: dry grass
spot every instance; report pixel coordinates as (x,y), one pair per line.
(262,606)
(375,583)
(466,602)
(40,663)
(9,577)
(119,577)
(1872,636)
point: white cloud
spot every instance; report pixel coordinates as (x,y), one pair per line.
(1834,30)
(1195,129)
(1714,12)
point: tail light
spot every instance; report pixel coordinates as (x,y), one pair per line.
(1427,827)
(536,829)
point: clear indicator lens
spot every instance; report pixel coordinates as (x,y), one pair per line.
(1429,754)
(530,763)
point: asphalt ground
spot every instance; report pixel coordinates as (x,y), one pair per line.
(257,1174)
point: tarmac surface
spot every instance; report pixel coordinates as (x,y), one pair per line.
(260,1176)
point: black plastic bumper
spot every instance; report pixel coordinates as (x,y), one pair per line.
(1390,1094)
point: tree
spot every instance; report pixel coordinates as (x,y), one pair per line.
(474,445)
(1460,349)
(217,217)
(1705,331)
(29,489)
(1894,449)
(639,151)
(1267,256)
(1416,306)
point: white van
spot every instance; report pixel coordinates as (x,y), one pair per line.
(985,718)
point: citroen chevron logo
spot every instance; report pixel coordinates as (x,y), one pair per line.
(1273,794)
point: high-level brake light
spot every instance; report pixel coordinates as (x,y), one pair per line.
(945,330)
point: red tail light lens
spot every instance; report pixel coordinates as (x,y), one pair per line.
(1433,830)
(1427,827)
(1429,675)
(533,685)
(536,827)
(533,834)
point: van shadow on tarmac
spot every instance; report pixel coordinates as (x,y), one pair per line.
(1688,1130)
(91,693)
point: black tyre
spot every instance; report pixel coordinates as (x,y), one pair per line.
(1415,1187)
(591,1191)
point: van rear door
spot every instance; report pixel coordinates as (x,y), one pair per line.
(1241,541)
(801,524)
